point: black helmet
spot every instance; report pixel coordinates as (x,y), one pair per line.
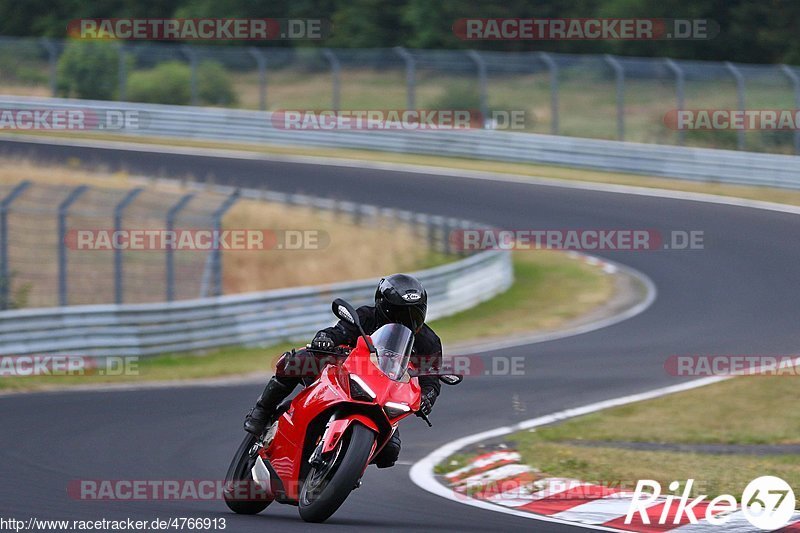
(402,299)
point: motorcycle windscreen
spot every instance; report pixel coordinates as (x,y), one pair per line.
(393,342)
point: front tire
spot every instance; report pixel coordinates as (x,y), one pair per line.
(239,481)
(325,490)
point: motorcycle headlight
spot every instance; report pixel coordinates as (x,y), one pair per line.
(359,390)
(393,409)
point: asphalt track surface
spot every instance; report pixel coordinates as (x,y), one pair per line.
(737,296)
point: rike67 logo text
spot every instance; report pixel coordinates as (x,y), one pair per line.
(767,503)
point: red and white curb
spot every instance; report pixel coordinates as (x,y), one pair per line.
(500,479)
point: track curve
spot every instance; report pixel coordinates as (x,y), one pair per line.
(738,295)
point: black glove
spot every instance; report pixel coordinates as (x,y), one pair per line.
(322,342)
(426,401)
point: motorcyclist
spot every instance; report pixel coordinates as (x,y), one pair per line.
(399,298)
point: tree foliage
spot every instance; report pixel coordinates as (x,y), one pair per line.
(758,31)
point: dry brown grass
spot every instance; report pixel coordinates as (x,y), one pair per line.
(353,252)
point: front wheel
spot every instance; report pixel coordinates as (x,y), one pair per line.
(326,487)
(242,494)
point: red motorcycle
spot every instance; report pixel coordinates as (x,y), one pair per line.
(316,452)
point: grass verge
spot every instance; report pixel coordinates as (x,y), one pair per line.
(550,289)
(231,361)
(741,411)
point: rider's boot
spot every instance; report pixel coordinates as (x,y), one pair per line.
(264,411)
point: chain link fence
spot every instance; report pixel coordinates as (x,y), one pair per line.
(595,96)
(43,262)
(42,265)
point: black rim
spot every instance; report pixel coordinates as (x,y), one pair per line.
(319,477)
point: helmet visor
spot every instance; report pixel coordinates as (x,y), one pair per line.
(411,316)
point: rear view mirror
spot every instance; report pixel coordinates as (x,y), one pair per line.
(345,312)
(451,379)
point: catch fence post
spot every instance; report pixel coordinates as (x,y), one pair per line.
(191,55)
(411,78)
(172,214)
(737,76)
(336,68)
(482,84)
(52,60)
(63,213)
(680,79)
(5,276)
(216,257)
(619,74)
(553,67)
(119,210)
(261,61)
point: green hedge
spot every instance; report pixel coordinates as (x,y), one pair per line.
(170,83)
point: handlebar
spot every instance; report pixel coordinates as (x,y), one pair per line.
(336,350)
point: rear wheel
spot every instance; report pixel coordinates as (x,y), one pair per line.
(327,486)
(242,494)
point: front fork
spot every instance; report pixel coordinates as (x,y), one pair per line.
(334,430)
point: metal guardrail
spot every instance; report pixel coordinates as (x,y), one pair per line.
(697,164)
(248,319)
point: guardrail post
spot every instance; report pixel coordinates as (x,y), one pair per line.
(336,68)
(216,264)
(172,214)
(792,75)
(680,78)
(5,276)
(737,75)
(552,66)
(63,212)
(118,212)
(122,72)
(261,61)
(411,78)
(482,83)
(191,55)
(52,60)
(619,74)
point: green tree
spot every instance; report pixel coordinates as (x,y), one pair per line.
(88,69)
